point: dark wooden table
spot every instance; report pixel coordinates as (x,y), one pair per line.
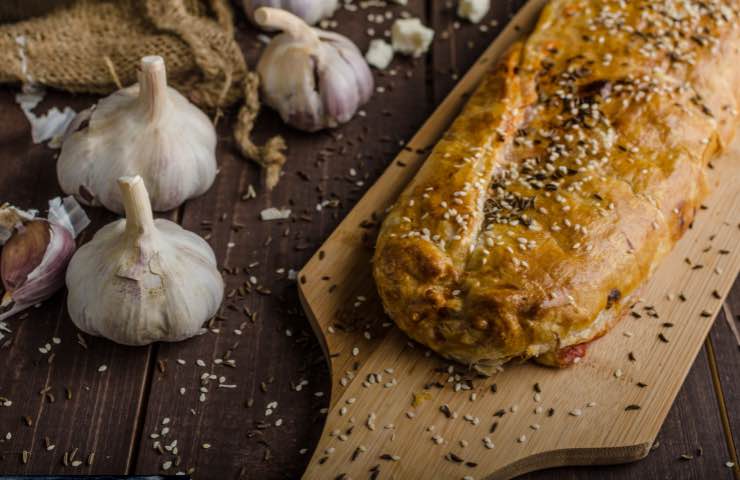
(63,400)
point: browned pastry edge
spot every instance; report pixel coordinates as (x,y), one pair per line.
(484,306)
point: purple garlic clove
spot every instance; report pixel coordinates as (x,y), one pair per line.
(34,257)
(33,263)
(349,52)
(338,89)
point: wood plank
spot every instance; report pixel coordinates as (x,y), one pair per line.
(685,428)
(615,434)
(692,428)
(460,43)
(726,351)
(102,414)
(318,171)
(109,425)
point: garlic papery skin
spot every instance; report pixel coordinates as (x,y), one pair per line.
(148,129)
(141,280)
(36,253)
(11,218)
(310,11)
(315,79)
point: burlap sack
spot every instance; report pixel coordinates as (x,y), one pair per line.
(95,46)
(14,10)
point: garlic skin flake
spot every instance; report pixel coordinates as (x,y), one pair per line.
(141,280)
(147,129)
(49,126)
(272,213)
(315,79)
(310,11)
(35,252)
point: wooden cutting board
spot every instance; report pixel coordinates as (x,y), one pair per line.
(388,394)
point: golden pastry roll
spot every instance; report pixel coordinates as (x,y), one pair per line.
(571,172)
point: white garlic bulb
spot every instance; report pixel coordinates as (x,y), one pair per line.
(315,79)
(148,129)
(311,11)
(141,280)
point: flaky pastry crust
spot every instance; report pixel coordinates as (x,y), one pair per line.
(573,169)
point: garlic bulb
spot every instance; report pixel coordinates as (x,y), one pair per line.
(141,280)
(311,11)
(315,79)
(36,252)
(148,129)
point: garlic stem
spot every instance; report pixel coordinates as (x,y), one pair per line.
(139,218)
(287,22)
(153,86)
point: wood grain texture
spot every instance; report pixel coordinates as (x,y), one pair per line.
(460,43)
(102,415)
(689,429)
(685,429)
(114,413)
(628,417)
(725,349)
(277,349)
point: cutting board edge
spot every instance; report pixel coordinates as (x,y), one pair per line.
(580,457)
(315,326)
(574,457)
